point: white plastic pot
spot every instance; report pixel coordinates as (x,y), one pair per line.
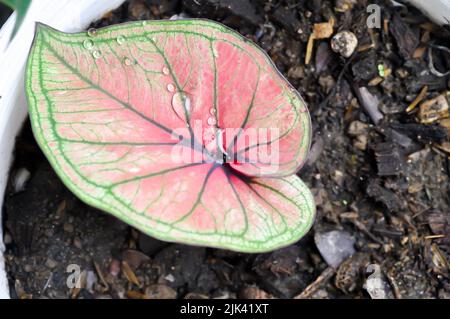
(436,10)
(64,15)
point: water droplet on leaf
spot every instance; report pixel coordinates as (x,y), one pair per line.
(209,136)
(181,104)
(212,111)
(151,38)
(215,52)
(128,61)
(88,44)
(97,54)
(121,39)
(170,87)
(165,70)
(211,121)
(92,32)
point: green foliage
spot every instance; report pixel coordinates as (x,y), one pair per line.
(21,7)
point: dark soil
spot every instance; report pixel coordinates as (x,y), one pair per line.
(380,175)
(5,12)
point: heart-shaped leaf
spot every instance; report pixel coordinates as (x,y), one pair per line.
(183,129)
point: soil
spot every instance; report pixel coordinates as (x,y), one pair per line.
(5,12)
(380,175)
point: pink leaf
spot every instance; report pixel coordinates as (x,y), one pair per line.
(183,129)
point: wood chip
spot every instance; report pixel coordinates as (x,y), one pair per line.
(435,236)
(439,258)
(129,274)
(419,52)
(313,287)
(135,258)
(20,291)
(323,30)
(418,99)
(61,207)
(386,26)
(444,147)
(365,47)
(375,81)
(425,38)
(133,294)
(309,49)
(434,109)
(74,292)
(101,276)
(159,291)
(428,26)
(446,123)
(254,293)
(393,283)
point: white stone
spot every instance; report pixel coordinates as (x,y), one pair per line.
(344,43)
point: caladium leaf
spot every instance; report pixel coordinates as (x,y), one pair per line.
(183,129)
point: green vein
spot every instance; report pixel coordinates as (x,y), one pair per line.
(169,170)
(199,196)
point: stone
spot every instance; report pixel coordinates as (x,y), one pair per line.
(335,246)
(344,43)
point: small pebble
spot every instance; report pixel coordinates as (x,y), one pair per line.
(296,72)
(28,268)
(335,246)
(344,5)
(135,258)
(160,292)
(327,83)
(68,228)
(254,293)
(434,109)
(344,43)
(401,73)
(50,263)
(7,239)
(91,280)
(357,128)
(49,232)
(20,180)
(169,278)
(223,295)
(114,268)
(338,177)
(195,295)
(77,243)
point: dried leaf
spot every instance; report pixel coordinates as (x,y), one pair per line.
(129,274)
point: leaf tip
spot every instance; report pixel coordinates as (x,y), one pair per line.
(40,27)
